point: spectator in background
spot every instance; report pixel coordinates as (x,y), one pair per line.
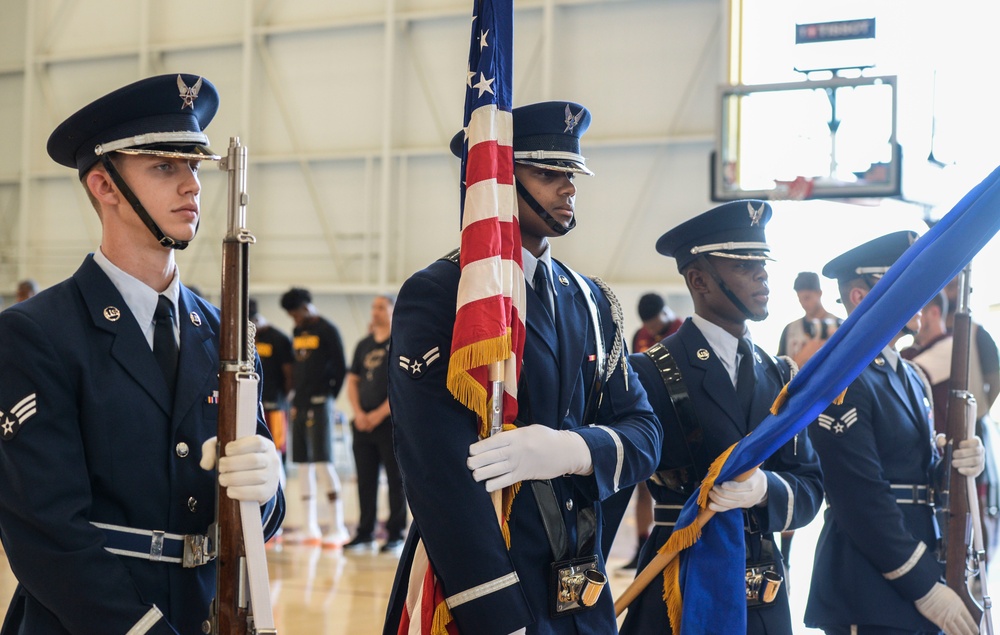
(25,289)
(276,358)
(931,351)
(658,321)
(317,376)
(368,392)
(803,337)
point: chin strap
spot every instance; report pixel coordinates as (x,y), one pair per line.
(710,268)
(553,224)
(144,216)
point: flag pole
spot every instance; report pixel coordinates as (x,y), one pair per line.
(663,558)
(496,426)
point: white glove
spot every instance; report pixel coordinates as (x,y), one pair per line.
(250,469)
(970,457)
(942,606)
(533,452)
(739,495)
(520,631)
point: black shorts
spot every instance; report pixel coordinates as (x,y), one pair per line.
(312,434)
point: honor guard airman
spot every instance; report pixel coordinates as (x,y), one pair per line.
(109,389)
(583,431)
(710,386)
(875,569)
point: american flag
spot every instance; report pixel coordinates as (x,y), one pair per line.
(489,322)
(489,319)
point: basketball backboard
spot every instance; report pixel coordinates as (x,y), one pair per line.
(831,138)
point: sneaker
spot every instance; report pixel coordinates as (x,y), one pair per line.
(392,545)
(335,539)
(360,543)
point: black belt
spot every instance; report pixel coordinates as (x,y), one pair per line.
(555,528)
(911,494)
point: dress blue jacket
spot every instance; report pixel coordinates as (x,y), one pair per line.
(490,590)
(794,479)
(875,556)
(102,444)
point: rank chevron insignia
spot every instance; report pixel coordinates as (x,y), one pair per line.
(838,425)
(11,421)
(418,365)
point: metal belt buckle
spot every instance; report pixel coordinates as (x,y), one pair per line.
(198,550)
(156,546)
(576,585)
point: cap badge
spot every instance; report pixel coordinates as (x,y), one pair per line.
(703,354)
(572,121)
(111,314)
(755,214)
(195,319)
(188,94)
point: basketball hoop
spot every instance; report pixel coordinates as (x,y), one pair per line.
(797,190)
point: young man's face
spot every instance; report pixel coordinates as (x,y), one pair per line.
(553,190)
(168,188)
(809,299)
(747,279)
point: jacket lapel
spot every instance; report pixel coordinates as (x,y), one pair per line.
(898,389)
(198,357)
(130,349)
(717,384)
(572,318)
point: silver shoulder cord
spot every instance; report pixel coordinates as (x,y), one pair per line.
(618,346)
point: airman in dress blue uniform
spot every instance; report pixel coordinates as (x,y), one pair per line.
(710,386)
(108,394)
(571,458)
(875,568)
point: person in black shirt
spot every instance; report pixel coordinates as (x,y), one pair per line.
(317,376)
(274,349)
(368,391)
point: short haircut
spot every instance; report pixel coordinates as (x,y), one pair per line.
(650,305)
(294,298)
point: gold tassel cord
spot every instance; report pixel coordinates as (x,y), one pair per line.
(840,398)
(780,400)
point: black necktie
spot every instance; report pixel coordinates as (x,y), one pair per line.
(542,287)
(164,342)
(744,376)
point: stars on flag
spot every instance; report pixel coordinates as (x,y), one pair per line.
(484,84)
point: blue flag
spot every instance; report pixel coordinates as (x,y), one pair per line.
(712,570)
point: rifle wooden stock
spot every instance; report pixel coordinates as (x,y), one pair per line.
(661,560)
(959,546)
(231,606)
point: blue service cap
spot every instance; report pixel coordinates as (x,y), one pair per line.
(733,230)
(164,115)
(871,258)
(546,134)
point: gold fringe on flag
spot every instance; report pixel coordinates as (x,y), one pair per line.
(469,392)
(442,618)
(840,398)
(683,538)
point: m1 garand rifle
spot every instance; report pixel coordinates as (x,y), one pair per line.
(242,604)
(964,555)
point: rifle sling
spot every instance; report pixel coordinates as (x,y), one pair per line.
(681,479)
